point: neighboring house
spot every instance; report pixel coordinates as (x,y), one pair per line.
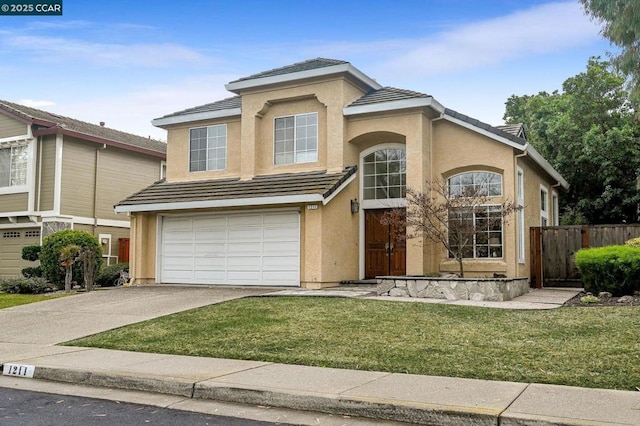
(284,184)
(60,173)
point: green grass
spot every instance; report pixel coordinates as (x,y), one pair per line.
(570,346)
(8,300)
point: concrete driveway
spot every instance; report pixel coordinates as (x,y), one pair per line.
(60,320)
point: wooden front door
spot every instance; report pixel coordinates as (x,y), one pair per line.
(385,253)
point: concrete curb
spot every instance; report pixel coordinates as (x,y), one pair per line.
(369,408)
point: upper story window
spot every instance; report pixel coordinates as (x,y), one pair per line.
(475,184)
(385,174)
(13,166)
(295,139)
(208,148)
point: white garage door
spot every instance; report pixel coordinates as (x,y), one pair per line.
(235,249)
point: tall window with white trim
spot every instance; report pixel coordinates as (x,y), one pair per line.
(295,139)
(384,175)
(13,166)
(544,206)
(208,148)
(484,222)
(520,215)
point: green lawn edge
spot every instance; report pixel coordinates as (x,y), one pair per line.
(587,347)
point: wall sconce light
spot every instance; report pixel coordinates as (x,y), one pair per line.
(355,206)
(104,241)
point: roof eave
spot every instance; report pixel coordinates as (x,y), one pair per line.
(199,116)
(429,102)
(239,85)
(546,166)
(229,202)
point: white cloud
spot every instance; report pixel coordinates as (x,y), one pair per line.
(35,104)
(103,54)
(543,29)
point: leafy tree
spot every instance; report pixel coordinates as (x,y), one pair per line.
(68,256)
(621,25)
(445,218)
(54,243)
(589,134)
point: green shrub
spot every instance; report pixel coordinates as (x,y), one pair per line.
(31,253)
(32,271)
(34,285)
(50,254)
(109,274)
(634,242)
(615,269)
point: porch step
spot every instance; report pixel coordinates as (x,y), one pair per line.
(359,282)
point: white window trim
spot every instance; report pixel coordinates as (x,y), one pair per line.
(295,139)
(226,146)
(15,189)
(555,208)
(544,214)
(520,217)
(163,164)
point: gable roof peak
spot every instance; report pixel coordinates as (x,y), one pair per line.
(311,68)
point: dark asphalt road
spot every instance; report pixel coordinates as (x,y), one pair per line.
(26,408)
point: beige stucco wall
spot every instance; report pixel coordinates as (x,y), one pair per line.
(178,151)
(457,149)
(10,127)
(142,249)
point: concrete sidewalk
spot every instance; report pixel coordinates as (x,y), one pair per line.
(374,395)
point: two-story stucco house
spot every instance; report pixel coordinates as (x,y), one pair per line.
(59,173)
(285,183)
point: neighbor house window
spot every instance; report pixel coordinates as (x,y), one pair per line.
(475,183)
(477,229)
(555,209)
(295,139)
(520,215)
(485,239)
(208,148)
(544,206)
(13,166)
(384,174)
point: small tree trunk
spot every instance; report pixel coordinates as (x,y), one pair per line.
(459,259)
(68,276)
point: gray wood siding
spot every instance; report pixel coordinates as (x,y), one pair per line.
(47,179)
(10,127)
(14,202)
(121,174)
(78,167)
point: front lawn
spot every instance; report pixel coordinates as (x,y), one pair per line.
(569,346)
(8,300)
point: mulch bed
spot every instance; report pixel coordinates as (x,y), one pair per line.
(633,300)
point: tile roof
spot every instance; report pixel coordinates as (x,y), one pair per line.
(307,65)
(491,129)
(51,120)
(387,94)
(514,129)
(228,103)
(289,184)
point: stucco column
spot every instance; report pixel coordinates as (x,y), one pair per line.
(418,140)
(248,142)
(311,248)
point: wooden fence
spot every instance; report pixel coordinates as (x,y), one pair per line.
(553,250)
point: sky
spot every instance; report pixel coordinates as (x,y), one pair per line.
(127,62)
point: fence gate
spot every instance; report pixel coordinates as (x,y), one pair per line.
(553,250)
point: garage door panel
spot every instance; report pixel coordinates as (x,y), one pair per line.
(236,249)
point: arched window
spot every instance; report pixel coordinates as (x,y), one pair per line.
(475,183)
(384,174)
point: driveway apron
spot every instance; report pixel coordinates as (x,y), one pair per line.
(67,318)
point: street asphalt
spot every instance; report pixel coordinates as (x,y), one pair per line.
(31,332)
